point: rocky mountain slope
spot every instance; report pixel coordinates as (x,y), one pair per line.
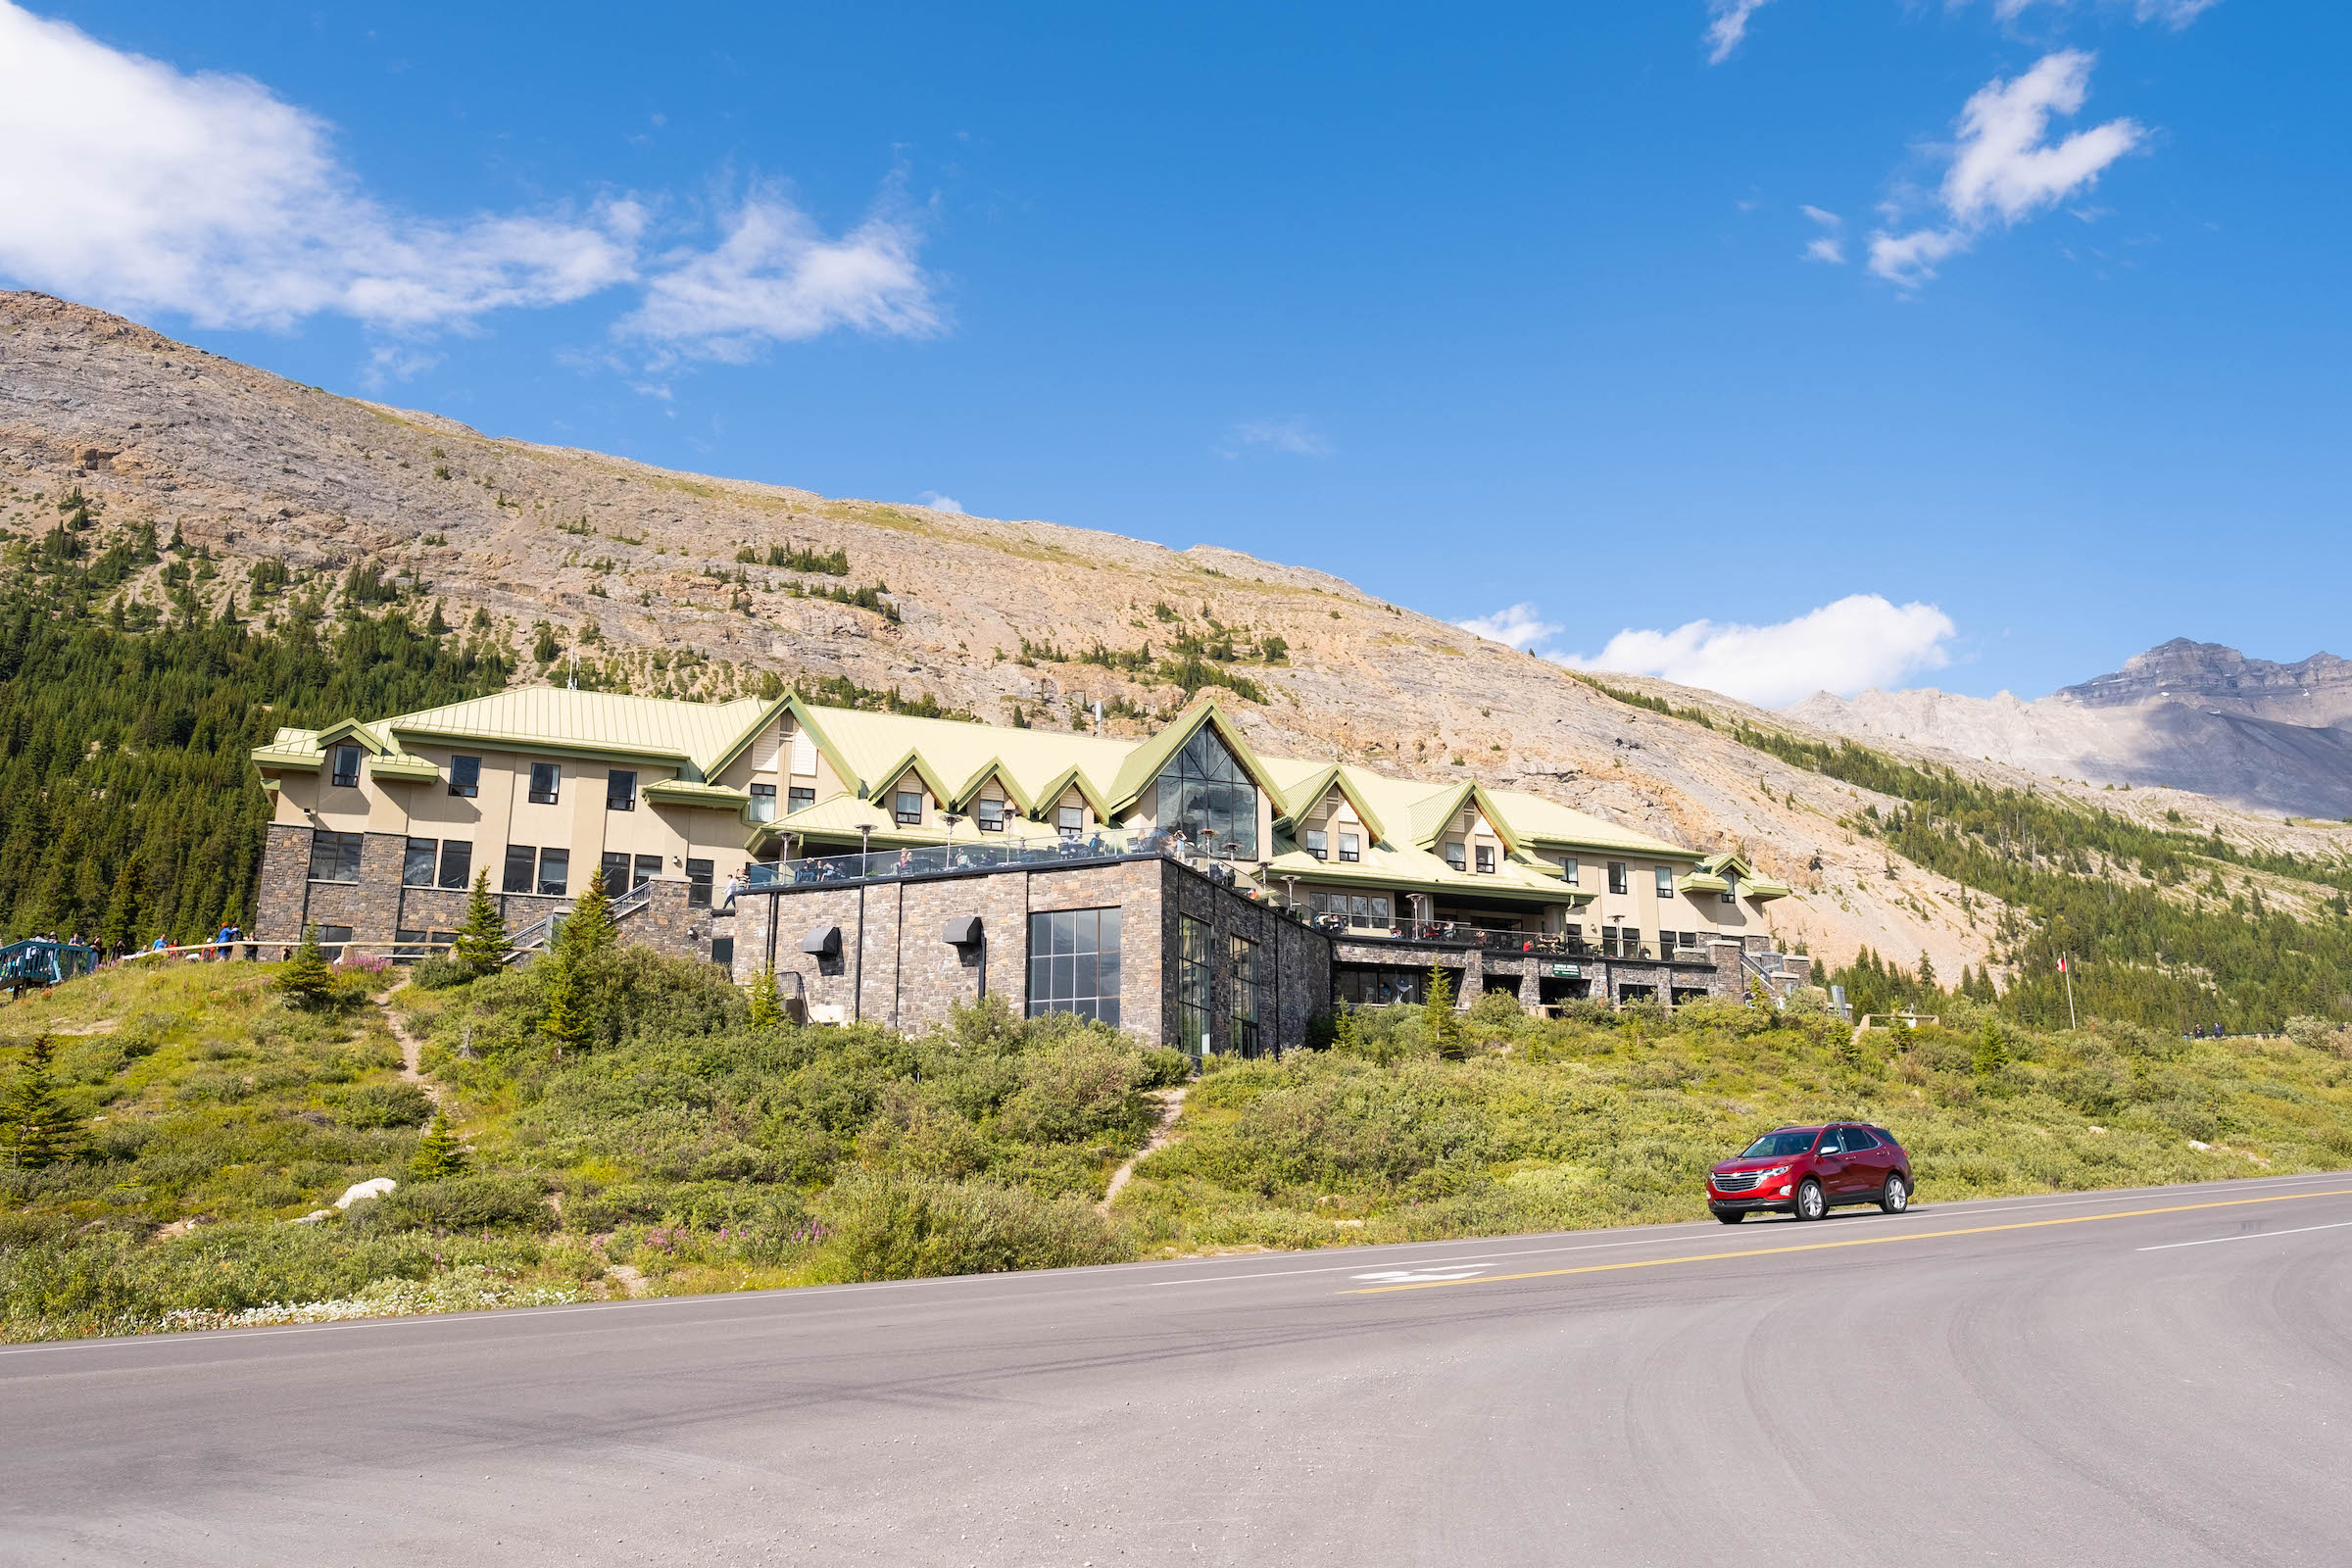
(2184,715)
(663,580)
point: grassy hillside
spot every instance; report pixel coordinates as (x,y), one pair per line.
(685,1149)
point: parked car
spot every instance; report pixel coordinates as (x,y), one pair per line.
(1808,1172)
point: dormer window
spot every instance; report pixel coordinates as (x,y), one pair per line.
(347,768)
(1486,859)
(1731,887)
(1350,847)
(1455,855)
(989,815)
(1205,794)
(1318,844)
(1069,820)
(907,807)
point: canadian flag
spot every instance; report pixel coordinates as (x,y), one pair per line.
(2062,967)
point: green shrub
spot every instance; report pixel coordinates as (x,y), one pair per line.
(900,1228)
(460,1204)
(399,1103)
(438,971)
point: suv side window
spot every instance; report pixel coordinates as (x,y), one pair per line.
(1856,1140)
(1832,1143)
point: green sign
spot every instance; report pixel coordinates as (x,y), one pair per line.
(1567,971)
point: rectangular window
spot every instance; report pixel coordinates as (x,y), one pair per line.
(1317,843)
(523,861)
(1252,996)
(410,947)
(1617,877)
(545,776)
(1350,847)
(614,865)
(332,939)
(1731,887)
(764,802)
(1569,870)
(418,865)
(555,873)
(697,884)
(347,768)
(1486,859)
(1608,942)
(1074,963)
(909,807)
(1665,881)
(1378,988)
(1194,988)
(1453,855)
(620,790)
(722,953)
(465,775)
(456,864)
(335,857)
(989,815)
(798,798)
(1069,820)
(648,868)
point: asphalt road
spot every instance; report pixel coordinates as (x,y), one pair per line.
(2128,1378)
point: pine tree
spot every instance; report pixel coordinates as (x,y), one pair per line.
(1444,1025)
(767,1006)
(481,941)
(35,1130)
(120,927)
(566,1023)
(306,981)
(1926,971)
(1992,1052)
(439,1152)
(589,927)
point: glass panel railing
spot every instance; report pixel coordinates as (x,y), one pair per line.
(937,860)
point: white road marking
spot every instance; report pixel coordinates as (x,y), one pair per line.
(1409,1276)
(2246,1236)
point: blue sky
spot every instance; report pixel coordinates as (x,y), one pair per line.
(1977,344)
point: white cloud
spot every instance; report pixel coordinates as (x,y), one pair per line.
(1822,217)
(1727,24)
(1292,436)
(1858,642)
(939,503)
(1513,625)
(1828,248)
(2173,13)
(391,363)
(777,278)
(132,184)
(2003,170)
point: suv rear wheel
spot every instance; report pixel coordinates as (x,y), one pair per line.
(1811,1201)
(1895,1197)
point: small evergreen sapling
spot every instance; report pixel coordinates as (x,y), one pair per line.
(35,1129)
(439,1152)
(767,1005)
(307,982)
(481,942)
(589,927)
(1444,1024)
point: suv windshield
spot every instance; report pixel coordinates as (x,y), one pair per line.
(1772,1144)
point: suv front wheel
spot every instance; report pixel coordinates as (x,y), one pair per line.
(1811,1201)
(1896,1196)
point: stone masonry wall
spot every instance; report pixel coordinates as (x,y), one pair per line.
(906,975)
(284,892)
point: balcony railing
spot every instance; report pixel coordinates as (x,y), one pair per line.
(945,859)
(1454,933)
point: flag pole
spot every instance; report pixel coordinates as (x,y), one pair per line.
(2066,970)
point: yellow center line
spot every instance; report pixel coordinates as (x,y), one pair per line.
(1859,1241)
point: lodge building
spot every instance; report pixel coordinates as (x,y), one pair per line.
(1181,887)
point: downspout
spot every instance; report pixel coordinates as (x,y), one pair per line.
(858,981)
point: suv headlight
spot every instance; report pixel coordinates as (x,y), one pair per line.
(1776,1170)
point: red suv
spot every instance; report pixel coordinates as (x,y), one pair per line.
(1808,1172)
